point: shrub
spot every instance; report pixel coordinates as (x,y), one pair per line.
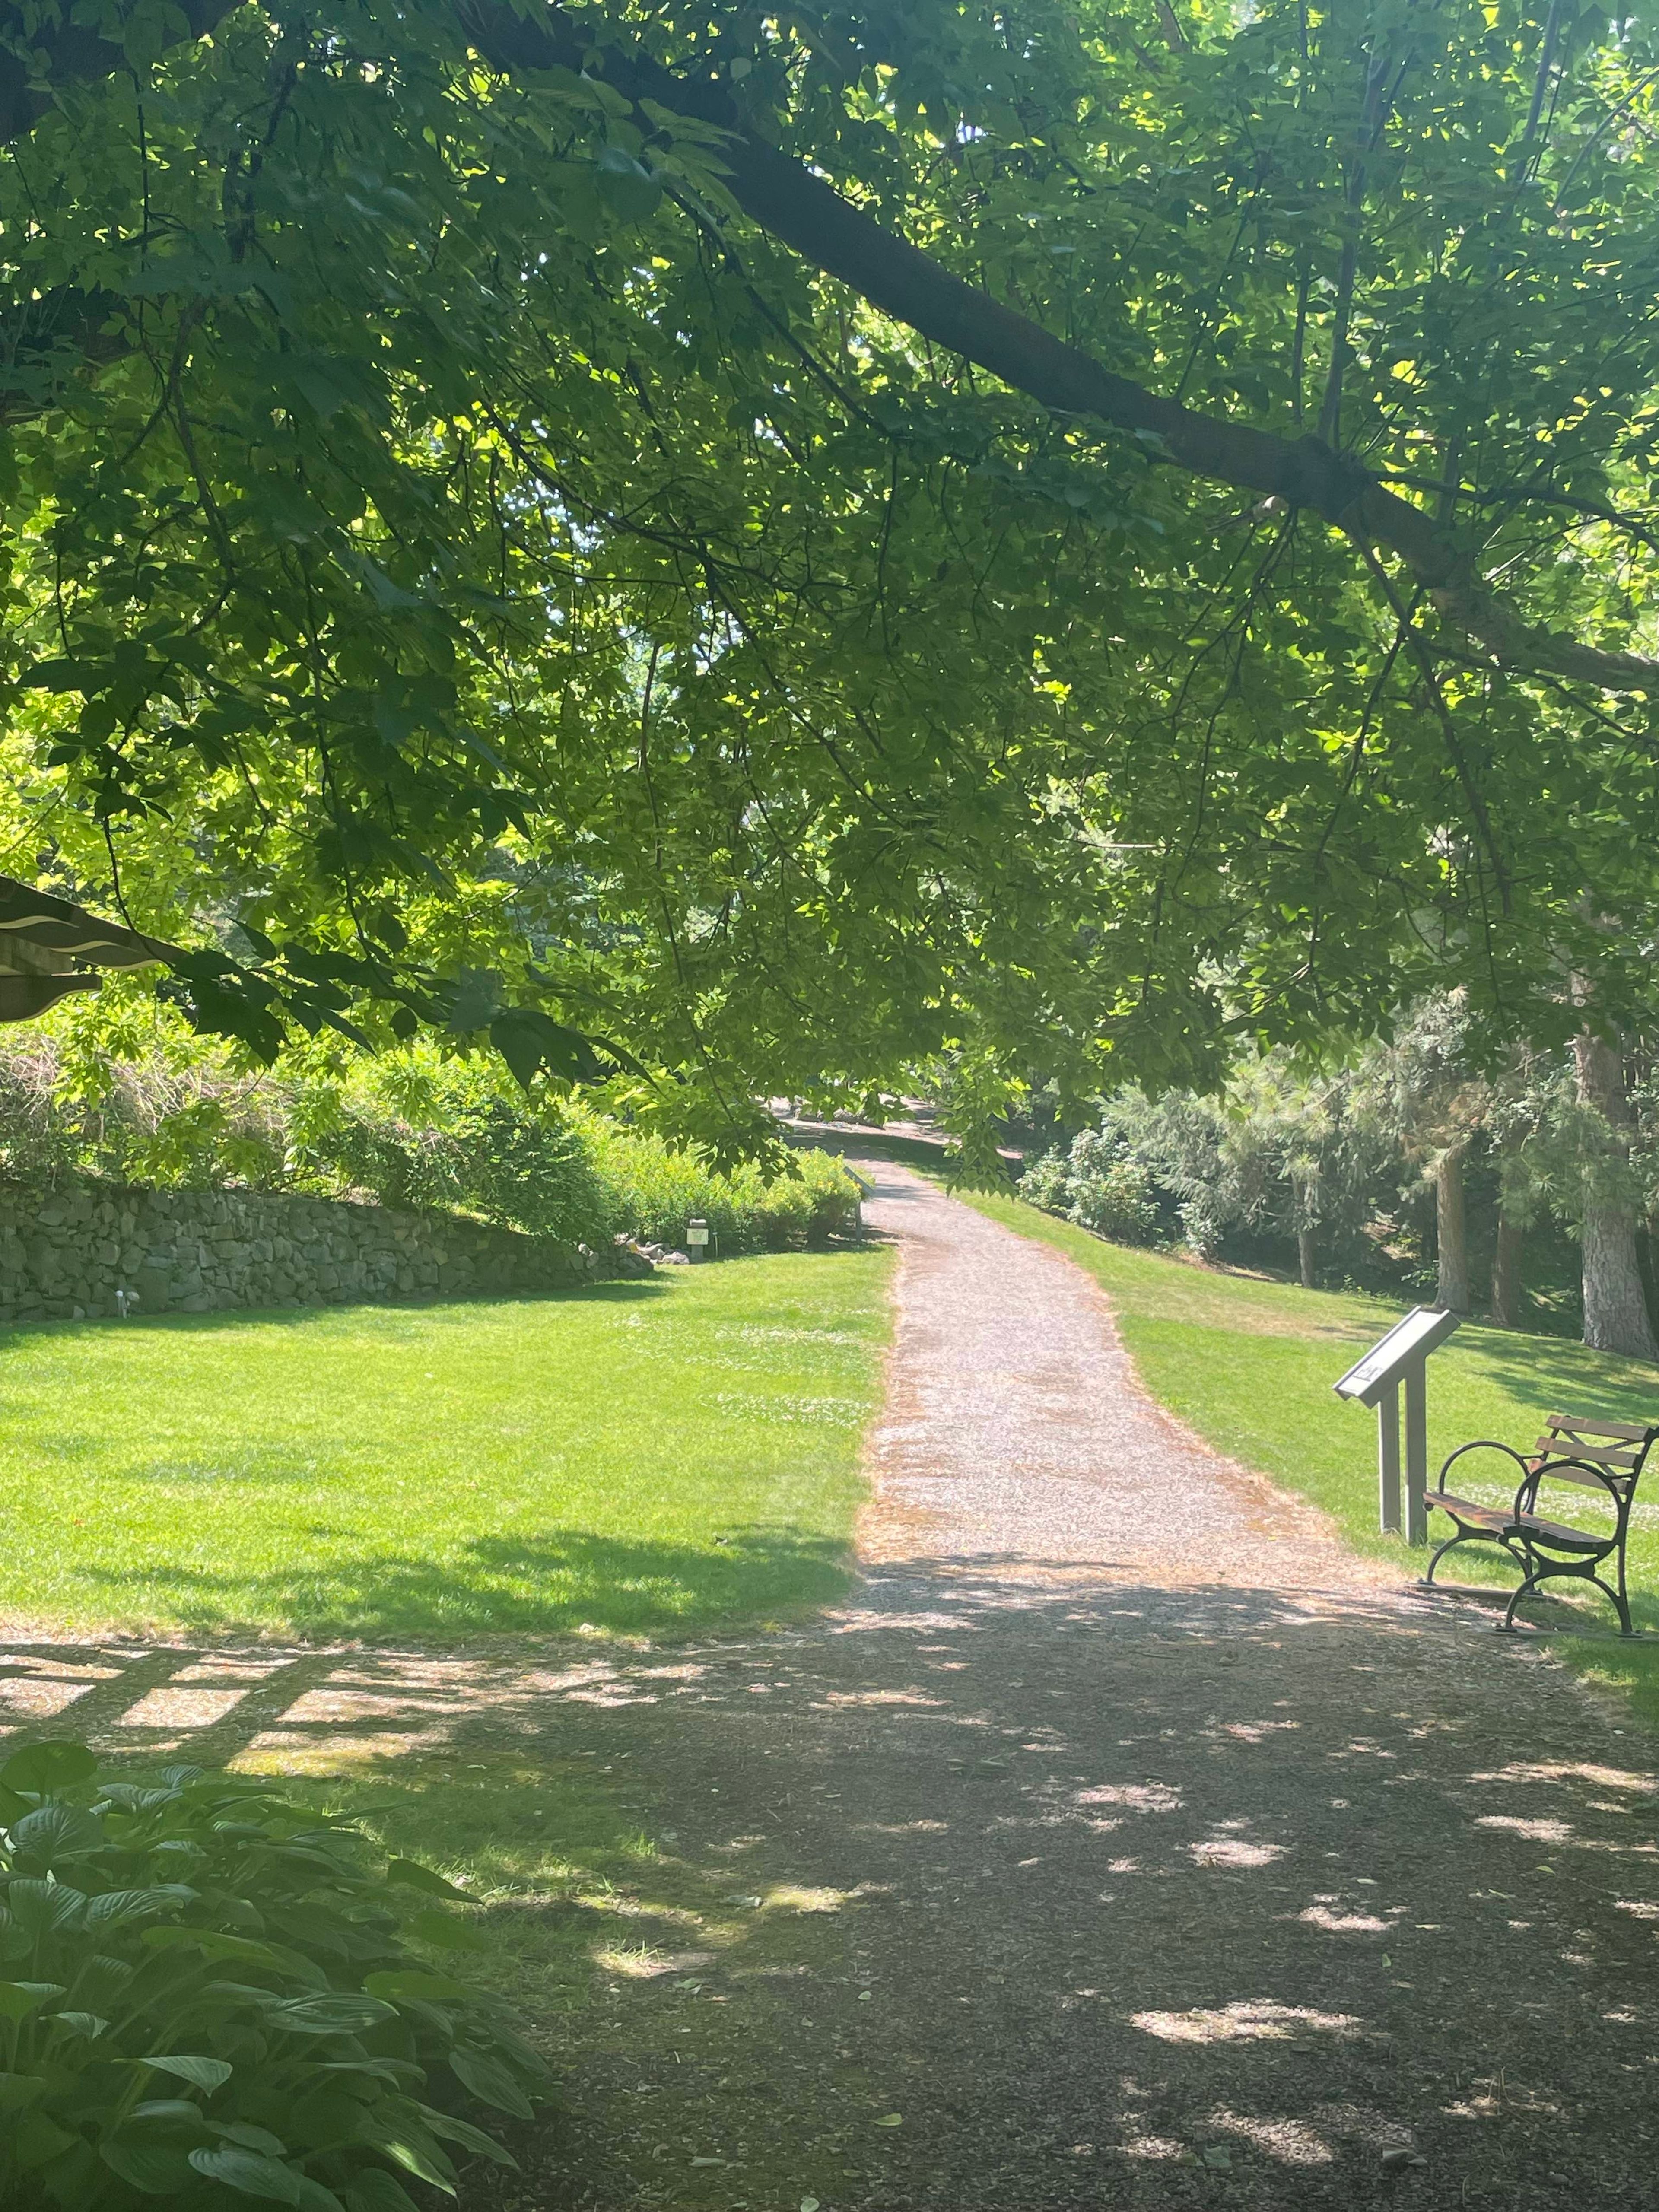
(1097,1185)
(656,1190)
(219,1999)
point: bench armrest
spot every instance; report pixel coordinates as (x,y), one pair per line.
(1486,1443)
(1540,1470)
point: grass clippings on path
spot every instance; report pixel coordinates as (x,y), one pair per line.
(640,1458)
(1248,1364)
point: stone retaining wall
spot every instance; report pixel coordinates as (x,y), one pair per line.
(65,1250)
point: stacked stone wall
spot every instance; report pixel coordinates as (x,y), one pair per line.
(67,1249)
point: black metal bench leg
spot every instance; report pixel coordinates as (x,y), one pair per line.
(1506,1626)
(1621,1603)
(1427,1581)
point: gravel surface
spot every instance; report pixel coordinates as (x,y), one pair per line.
(1123,1843)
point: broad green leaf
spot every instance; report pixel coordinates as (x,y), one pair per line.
(53,1835)
(445,1932)
(44,1908)
(248,2172)
(42,1769)
(456,2130)
(414,1982)
(209,2074)
(411,1875)
(19,1999)
(18,2090)
(154,2169)
(340,2013)
(488,2077)
(377,2191)
(37,2139)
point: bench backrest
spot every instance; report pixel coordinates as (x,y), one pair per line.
(1617,1448)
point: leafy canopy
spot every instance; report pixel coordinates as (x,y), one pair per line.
(452,544)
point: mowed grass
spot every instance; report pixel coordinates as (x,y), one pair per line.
(637,1459)
(1248,1364)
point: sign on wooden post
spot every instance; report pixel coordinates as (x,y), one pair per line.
(1400,1358)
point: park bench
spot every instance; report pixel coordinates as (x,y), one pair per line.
(1606,1457)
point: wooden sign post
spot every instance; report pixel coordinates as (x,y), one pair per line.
(1400,1358)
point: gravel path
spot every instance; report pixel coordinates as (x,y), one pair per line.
(1123,1843)
(1017,1436)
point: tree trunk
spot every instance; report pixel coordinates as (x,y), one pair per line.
(1506,1272)
(1304,1257)
(1451,1232)
(1615,1309)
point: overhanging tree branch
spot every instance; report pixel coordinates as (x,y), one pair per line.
(808,214)
(784,197)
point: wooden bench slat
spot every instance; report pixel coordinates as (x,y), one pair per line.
(1602,1454)
(1583,1475)
(1631,1432)
(1465,1508)
(1557,1532)
(1500,1517)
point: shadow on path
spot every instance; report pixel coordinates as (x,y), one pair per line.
(1120,1896)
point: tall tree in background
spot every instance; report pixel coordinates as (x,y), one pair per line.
(1426,1091)
(786,543)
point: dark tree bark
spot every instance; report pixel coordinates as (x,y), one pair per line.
(1305,1258)
(1616,1316)
(1451,1232)
(1506,1271)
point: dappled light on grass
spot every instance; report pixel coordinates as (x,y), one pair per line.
(638,1459)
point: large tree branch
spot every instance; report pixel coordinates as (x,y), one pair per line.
(786,199)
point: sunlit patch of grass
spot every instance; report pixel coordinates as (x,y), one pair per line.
(637,1459)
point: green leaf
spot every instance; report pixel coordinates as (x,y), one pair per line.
(488,2077)
(153,2169)
(37,2139)
(410,1875)
(119,1908)
(209,2074)
(44,1908)
(470,2138)
(87,2025)
(626,185)
(405,1983)
(339,2013)
(19,1999)
(18,2090)
(410,2146)
(249,2137)
(54,1834)
(375,2191)
(43,1768)
(248,2172)
(445,1932)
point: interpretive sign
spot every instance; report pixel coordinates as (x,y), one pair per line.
(1396,1360)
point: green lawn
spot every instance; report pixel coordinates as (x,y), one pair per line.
(1248,1364)
(640,1458)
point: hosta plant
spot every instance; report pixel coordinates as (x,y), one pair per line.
(212,1996)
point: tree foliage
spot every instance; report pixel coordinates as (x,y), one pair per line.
(468,561)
